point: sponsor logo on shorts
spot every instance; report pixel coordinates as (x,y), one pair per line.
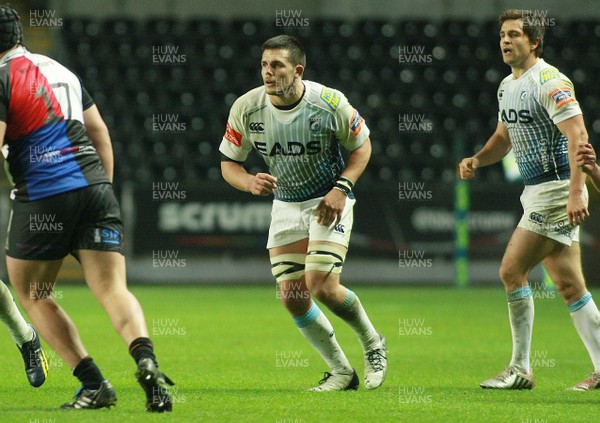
(536,217)
(562,228)
(107,236)
(339,228)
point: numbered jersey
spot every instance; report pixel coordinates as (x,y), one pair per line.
(301,146)
(531,107)
(46,144)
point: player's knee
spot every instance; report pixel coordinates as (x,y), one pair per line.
(511,277)
(325,293)
(328,258)
(288,267)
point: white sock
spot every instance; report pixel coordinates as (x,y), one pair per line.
(352,312)
(10,315)
(520,312)
(317,330)
(587,322)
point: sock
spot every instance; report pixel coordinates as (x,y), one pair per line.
(352,312)
(10,315)
(520,312)
(88,373)
(318,331)
(142,348)
(586,319)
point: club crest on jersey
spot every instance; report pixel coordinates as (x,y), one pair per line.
(331,98)
(500,94)
(523,95)
(315,123)
(548,74)
(562,96)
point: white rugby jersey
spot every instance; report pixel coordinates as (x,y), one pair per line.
(530,107)
(301,146)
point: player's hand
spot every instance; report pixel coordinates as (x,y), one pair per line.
(331,207)
(467,167)
(585,158)
(577,208)
(262,184)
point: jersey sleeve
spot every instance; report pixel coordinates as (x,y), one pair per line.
(86,98)
(235,143)
(352,131)
(557,95)
(3,95)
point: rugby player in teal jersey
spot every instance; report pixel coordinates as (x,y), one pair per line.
(298,128)
(540,120)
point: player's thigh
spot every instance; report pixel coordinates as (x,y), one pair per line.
(287,265)
(327,249)
(104,271)
(564,267)
(42,229)
(33,280)
(289,226)
(524,251)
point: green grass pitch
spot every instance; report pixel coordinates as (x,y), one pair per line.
(237,357)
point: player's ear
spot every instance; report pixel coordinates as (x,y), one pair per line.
(535,44)
(299,70)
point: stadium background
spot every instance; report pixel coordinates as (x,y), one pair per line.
(423,74)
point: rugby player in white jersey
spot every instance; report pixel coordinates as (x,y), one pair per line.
(298,127)
(540,119)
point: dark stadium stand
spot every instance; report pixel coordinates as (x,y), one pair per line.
(454,91)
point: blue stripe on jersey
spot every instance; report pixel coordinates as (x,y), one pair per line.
(47,164)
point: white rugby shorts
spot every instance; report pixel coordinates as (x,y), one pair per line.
(291,222)
(545,211)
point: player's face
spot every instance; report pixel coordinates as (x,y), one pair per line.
(515,45)
(278,73)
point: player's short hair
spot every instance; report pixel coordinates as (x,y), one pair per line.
(533,26)
(11,29)
(289,43)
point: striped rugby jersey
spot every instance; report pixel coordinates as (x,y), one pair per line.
(531,107)
(46,145)
(301,146)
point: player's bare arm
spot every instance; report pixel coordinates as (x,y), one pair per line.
(577,205)
(331,207)
(2,132)
(585,159)
(98,133)
(497,146)
(260,184)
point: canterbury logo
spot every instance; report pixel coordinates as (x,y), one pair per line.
(256,127)
(339,228)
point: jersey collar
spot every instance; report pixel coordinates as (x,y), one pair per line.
(16,51)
